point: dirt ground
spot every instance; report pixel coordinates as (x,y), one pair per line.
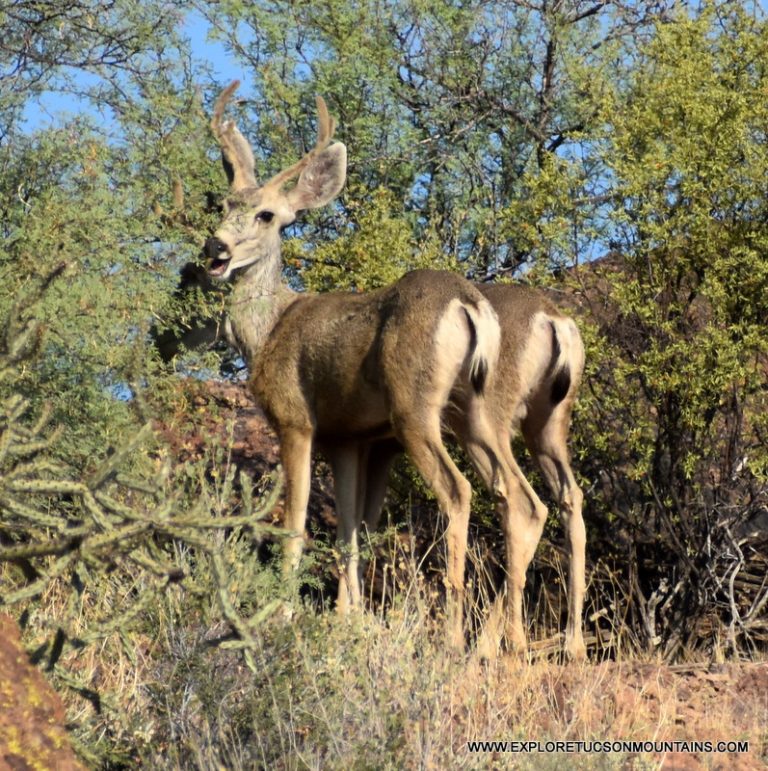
(609,700)
(684,703)
(32,719)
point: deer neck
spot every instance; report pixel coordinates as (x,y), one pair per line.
(259,297)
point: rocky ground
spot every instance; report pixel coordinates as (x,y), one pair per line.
(652,702)
(698,702)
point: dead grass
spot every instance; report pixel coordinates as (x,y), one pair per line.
(378,690)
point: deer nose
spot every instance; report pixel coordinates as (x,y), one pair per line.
(214,248)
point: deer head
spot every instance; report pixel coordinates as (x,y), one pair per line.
(255,215)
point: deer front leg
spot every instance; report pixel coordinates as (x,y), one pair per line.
(360,473)
(296,454)
(373,490)
(347,463)
(380,459)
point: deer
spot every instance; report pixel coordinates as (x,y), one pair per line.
(347,373)
(533,392)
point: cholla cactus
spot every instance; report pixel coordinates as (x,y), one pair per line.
(76,530)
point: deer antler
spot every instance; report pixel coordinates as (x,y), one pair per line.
(236,152)
(326,125)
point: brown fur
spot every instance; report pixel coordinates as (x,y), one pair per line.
(541,350)
(534,392)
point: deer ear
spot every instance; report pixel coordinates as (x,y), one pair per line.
(322,179)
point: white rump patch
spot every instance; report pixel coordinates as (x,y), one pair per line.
(452,341)
(534,358)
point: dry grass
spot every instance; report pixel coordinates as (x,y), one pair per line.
(378,690)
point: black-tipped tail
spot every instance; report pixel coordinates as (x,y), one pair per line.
(561,385)
(561,382)
(484,343)
(479,376)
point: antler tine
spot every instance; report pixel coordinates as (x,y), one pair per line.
(220,106)
(326,125)
(236,152)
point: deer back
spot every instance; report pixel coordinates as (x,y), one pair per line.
(339,361)
(336,364)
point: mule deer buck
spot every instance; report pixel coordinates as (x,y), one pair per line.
(342,370)
(366,375)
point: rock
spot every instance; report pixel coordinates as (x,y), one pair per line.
(32,717)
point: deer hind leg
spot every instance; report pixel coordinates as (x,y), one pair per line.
(424,371)
(424,445)
(296,454)
(522,516)
(545,432)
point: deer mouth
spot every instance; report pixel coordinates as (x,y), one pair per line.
(218,266)
(218,256)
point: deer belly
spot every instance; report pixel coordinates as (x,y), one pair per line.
(362,414)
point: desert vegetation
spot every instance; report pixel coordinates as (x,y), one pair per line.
(613,154)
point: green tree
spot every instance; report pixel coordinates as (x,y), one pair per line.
(101,530)
(673,416)
(446,105)
(510,138)
(84,193)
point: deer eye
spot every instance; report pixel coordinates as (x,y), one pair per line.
(265,216)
